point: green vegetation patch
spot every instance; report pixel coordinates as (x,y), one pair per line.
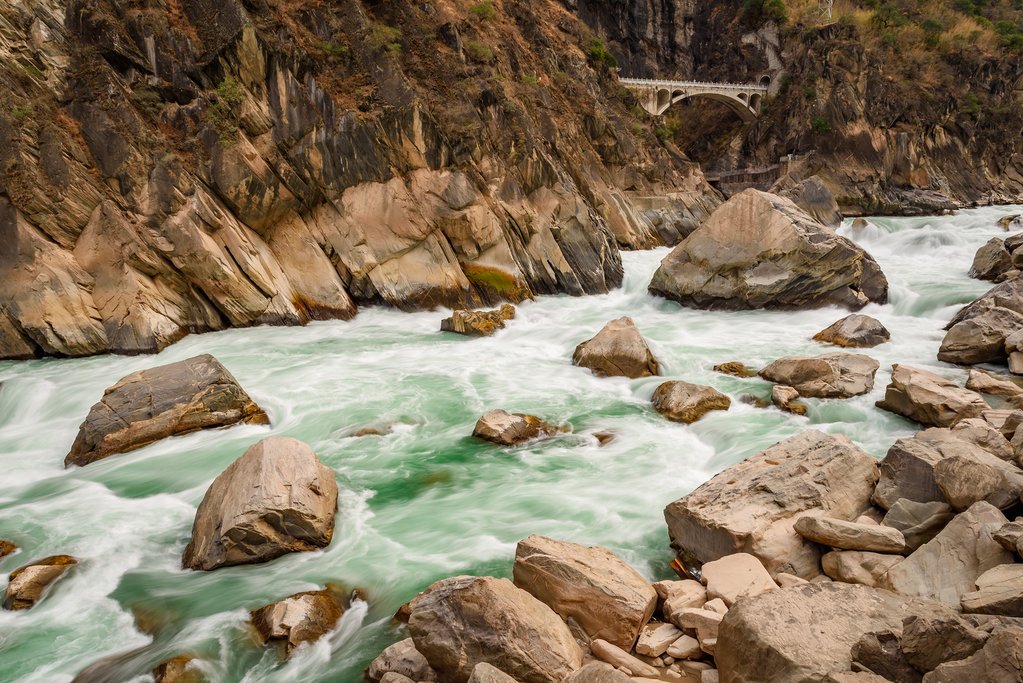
(484,10)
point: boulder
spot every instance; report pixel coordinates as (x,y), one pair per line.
(833,375)
(477,323)
(928,398)
(968,477)
(854,677)
(855,566)
(880,652)
(999,591)
(598,672)
(1009,221)
(277,498)
(684,402)
(787,399)
(508,429)
(991,261)
(391,677)
(735,369)
(844,535)
(462,621)
(656,638)
(486,673)
(178,670)
(759,250)
(918,522)
(590,585)
(980,338)
(801,634)
(1010,536)
(145,406)
(684,595)
(736,576)
(947,567)
(990,384)
(301,618)
(6,548)
(27,585)
(686,647)
(998,661)
(402,658)
(618,350)
(751,506)
(814,197)
(620,659)
(977,431)
(929,641)
(854,331)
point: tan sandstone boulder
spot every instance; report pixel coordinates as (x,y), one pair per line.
(833,375)
(854,331)
(145,406)
(684,402)
(845,535)
(857,566)
(477,323)
(752,506)
(180,669)
(929,399)
(462,621)
(618,350)
(590,585)
(402,659)
(277,498)
(27,585)
(758,250)
(978,332)
(300,618)
(999,591)
(508,429)
(998,661)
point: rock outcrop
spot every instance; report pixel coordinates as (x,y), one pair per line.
(684,402)
(978,332)
(761,251)
(929,399)
(275,499)
(300,618)
(854,331)
(462,621)
(508,429)
(589,585)
(478,323)
(833,375)
(751,507)
(168,400)
(27,585)
(618,350)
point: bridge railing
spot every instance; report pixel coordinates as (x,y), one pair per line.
(657,83)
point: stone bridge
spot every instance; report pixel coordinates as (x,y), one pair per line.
(657,95)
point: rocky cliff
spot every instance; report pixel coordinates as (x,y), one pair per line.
(176,166)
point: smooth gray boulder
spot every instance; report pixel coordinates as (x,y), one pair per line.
(918,522)
(978,332)
(991,261)
(752,506)
(928,398)
(854,331)
(168,400)
(277,498)
(833,375)
(759,250)
(618,350)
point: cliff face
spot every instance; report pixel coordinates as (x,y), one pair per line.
(176,166)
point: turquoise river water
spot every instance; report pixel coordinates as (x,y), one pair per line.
(425,500)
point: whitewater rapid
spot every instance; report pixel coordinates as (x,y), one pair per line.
(424,500)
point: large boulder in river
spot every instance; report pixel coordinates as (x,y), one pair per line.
(684,402)
(854,331)
(462,621)
(833,375)
(300,618)
(26,585)
(178,398)
(277,498)
(758,250)
(508,429)
(618,350)
(590,585)
(477,323)
(752,506)
(802,633)
(928,398)
(991,261)
(977,333)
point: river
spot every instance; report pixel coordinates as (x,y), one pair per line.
(424,500)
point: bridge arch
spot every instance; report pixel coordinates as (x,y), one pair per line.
(658,96)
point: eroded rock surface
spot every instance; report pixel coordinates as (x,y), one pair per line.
(27,585)
(618,350)
(684,402)
(478,323)
(854,331)
(929,399)
(833,375)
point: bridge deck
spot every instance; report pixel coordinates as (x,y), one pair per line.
(659,83)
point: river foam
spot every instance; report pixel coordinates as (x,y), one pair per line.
(424,500)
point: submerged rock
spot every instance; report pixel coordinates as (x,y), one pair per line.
(589,585)
(27,585)
(277,498)
(929,399)
(833,375)
(178,670)
(618,350)
(759,250)
(509,429)
(735,369)
(300,618)
(6,548)
(752,506)
(178,398)
(854,331)
(477,323)
(684,402)
(462,621)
